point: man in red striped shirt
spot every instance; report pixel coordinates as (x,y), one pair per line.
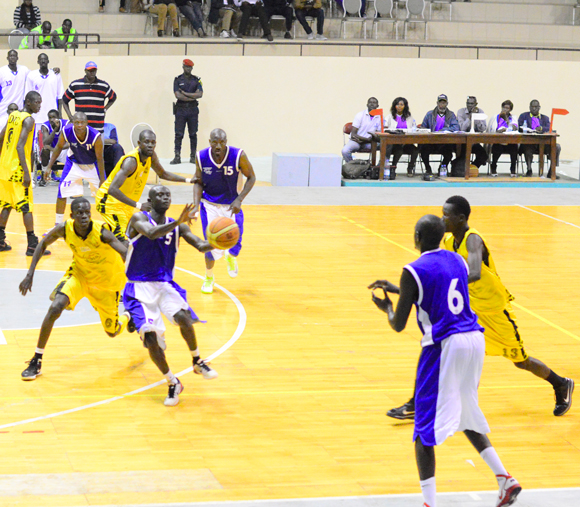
(92,96)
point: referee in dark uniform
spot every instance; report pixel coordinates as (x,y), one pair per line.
(187,89)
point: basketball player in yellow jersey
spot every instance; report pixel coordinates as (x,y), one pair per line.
(490,300)
(15,164)
(118,198)
(97,273)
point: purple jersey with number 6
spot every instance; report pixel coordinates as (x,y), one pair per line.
(220,181)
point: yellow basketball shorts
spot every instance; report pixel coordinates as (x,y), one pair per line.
(16,196)
(117,218)
(502,337)
(104,301)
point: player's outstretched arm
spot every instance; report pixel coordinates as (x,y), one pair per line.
(197,188)
(166,175)
(51,237)
(408,295)
(193,240)
(110,239)
(99,152)
(141,224)
(128,167)
(475,248)
(248,172)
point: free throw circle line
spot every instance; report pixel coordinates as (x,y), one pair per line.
(237,333)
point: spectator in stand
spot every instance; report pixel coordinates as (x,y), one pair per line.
(254,8)
(540,124)
(161,8)
(39,37)
(504,122)
(441,119)
(281,8)
(12,84)
(363,130)
(113,151)
(27,16)
(464,119)
(401,119)
(65,36)
(311,8)
(121,6)
(192,10)
(92,96)
(49,84)
(226,10)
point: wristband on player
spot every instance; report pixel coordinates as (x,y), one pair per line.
(188,180)
(139,206)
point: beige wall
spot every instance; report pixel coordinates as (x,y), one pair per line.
(7,13)
(299,104)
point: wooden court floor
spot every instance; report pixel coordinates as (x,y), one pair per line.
(299,407)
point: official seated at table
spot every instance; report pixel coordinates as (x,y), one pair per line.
(504,122)
(400,118)
(533,121)
(441,119)
(364,127)
(465,123)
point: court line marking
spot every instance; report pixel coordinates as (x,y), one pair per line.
(336,500)
(548,216)
(534,314)
(237,333)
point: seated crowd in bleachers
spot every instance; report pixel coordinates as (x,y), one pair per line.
(471,118)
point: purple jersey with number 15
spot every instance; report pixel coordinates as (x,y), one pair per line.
(220,181)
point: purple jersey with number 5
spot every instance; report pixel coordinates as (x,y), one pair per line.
(152,260)
(220,181)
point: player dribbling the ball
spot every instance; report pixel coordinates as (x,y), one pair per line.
(215,194)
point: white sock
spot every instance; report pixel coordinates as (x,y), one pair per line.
(39,351)
(59,218)
(209,273)
(171,378)
(429,490)
(490,456)
(195,353)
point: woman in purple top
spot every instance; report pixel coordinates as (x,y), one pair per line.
(401,119)
(504,122)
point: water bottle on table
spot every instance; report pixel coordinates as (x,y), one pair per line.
(443,171)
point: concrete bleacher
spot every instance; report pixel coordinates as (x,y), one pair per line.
(514,22)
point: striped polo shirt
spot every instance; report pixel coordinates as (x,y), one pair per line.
(90,98)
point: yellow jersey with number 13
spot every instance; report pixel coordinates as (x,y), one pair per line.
(132,187)
(10,169)
(488,294)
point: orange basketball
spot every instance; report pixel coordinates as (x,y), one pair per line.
(223,233)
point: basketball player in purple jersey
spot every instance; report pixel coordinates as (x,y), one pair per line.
(150,289)
(451,359)
(84,161)
(215,194)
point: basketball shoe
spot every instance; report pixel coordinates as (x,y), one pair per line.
(406,411)
(232,265)
(202,368)
(33,369)
(207,286)
(173,394)
(509,489)
(564,397)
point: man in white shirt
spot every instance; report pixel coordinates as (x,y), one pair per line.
(363,131)
(48,84)
(12,84)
